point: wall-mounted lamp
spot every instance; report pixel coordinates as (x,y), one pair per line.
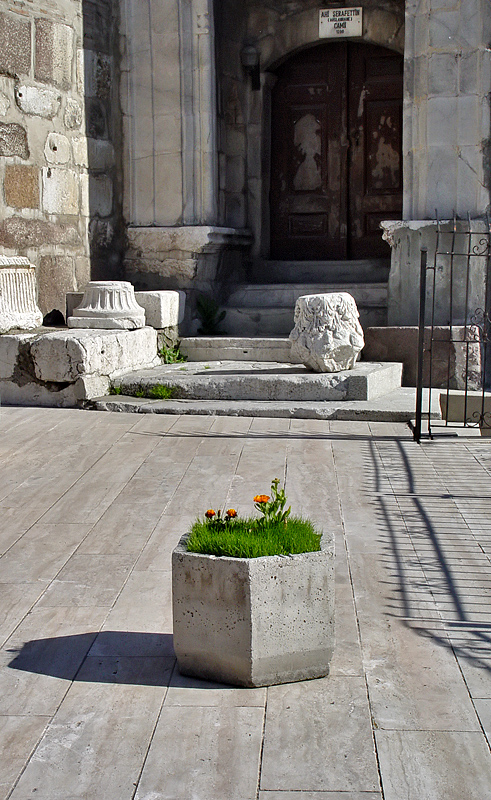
(249,58)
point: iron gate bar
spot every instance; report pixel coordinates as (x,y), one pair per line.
(468,329)
(421,333)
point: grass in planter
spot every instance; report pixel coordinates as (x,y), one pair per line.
(275,533)
(244,538)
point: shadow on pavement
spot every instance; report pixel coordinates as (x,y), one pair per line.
(440,568)
(145,659)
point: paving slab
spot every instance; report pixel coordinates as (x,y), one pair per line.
(326,722)
(206,752)
(91,701)
(434,764)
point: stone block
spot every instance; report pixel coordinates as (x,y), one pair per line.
(82,273)
(65,356)
(250,381)
(10,350)
(18,295)
(97,25)
(406,239)
(471,407)
(38,102)
(13,140)
(80,152)
(100,195)
(96,118)
(162,309)
(18,233)
(57,149)
(449,357)
(53,53)
(37,394)
(60,191)
(100,154)
(4,104)
(74,115)
(15,45)
(97,68)
(253,621)
(55,278)
(223,348)
(21,186)
(443,69)
(327,336)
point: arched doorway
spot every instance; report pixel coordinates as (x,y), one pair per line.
(336,154)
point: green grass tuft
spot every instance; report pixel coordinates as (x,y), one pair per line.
(242,538)
(115,390)
(171,355)
(159,392)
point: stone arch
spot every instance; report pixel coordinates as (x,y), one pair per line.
(382,25)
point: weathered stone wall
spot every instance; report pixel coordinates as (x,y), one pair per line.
(58,125)
(276,29)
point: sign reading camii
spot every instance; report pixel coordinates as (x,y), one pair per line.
(336,22)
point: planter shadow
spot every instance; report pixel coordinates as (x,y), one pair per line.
(144,659)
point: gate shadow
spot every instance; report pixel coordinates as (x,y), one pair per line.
(444,576)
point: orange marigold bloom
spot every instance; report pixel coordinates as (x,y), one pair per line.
(231,512)
(261,498)
(210,513)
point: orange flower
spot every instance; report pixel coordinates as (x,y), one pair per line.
(231,512)
(210,513)
(261,498)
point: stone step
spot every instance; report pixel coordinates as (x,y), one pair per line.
(285,295)
(266,381)
(228,348)
(272,321)
(397,406)
(367,270)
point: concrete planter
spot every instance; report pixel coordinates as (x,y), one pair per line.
(253,621)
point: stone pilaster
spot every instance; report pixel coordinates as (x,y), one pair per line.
(446,112)
(168,99)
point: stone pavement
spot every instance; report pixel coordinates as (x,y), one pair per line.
(92,704)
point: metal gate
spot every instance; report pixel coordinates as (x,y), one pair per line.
(454,357)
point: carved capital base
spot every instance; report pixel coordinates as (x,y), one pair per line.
(109,305)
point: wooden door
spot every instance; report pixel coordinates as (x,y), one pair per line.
(336,157)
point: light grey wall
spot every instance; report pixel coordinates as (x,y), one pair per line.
(447,113)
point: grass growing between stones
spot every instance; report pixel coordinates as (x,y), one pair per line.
(155,392)
(245,538)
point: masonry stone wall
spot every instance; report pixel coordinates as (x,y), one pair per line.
(59,142)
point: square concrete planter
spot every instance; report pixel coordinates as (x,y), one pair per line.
(253,621)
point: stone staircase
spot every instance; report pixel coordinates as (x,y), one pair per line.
(266,307)
(255,377)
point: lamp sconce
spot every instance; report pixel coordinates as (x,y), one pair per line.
(249,58)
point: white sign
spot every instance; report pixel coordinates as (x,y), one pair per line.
(335,22)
